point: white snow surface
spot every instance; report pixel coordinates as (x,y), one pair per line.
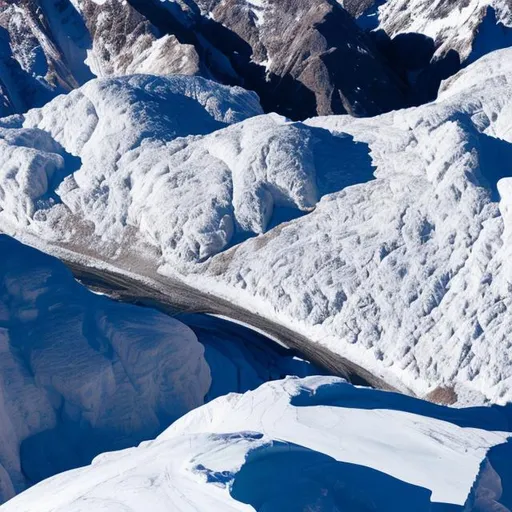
(311,444)
(407,274)
(81,374)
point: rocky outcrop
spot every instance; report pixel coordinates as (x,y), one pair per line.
(315,59)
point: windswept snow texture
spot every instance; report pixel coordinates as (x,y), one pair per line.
(406,274)
(311,444)
(125,138)
(81,374)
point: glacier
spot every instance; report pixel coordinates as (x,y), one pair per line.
(252,308)
(81,374)
(383,239)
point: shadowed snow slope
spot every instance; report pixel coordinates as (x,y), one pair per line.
(406,274)
(340,448)
(469,27)
(81,374)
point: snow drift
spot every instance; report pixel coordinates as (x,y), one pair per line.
(312,444)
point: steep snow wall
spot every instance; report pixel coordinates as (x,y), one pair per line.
(81,374)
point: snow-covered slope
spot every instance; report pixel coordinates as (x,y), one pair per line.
(81,374)
(312,444)
(471,28)
(126,123)
(406,274)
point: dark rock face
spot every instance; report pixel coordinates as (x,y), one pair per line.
(358,7)
(302,57)
(317,49)
(124,41)
(51,46)
(428,42)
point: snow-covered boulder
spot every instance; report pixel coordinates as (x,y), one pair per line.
(311,444)
(81,374)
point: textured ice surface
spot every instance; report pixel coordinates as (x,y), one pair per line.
(409,273)
(311,444)
(386,238)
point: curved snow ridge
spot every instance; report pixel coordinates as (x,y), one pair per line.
(80,374)
(154,155)
(290,445)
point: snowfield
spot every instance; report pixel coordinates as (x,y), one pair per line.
(81,374)
(312,444)
(386,239)
(255,309)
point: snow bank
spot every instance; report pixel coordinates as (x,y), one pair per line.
(81,374)
(316,443)
(406,274)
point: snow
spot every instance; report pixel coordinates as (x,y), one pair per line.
(406,274)
(381,238)
(311,444)
(452,25)
(81,374)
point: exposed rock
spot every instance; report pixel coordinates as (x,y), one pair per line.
(315,59)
